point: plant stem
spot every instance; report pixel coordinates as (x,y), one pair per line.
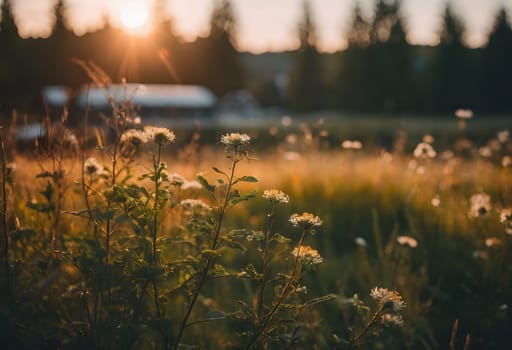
(281,298)
(366,328)
(265,260)
(204,273)
(157,173)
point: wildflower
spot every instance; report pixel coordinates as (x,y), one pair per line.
(428,139)
(307,255)
(235,139)
(492,242)
(424,150)
(480,205)
(191,185)
(177,179)
(406,240)
(503,136)
(92,167)
(388,298)
(464,113)
(436,201)
(134,136)
(305,220)
(506,220)
(194,204)
(352,144)
(235,144)
(70,140)
(286,121)
(485,151)
(506,161)
(360,241)
(160,136)
(392,320)
(276,196)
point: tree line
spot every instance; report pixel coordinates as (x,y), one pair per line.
(378,72)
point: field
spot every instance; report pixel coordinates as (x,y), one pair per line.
(160,240)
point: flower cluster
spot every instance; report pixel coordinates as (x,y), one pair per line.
(235,139)
(134,136)
(160,136)
(92,167)
(506,220)
(388,298)
(305,220)
(406,240)
(464,113)
(424,151)
(235,144)
(276,196)
(480,205)
(351,144)
(308,256)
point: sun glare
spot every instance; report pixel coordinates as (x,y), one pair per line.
(135,18)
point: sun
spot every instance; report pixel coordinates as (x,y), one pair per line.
(135,18)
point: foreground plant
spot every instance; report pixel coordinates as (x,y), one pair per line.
(225,196)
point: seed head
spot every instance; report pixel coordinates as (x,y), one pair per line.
(160,136)
(389,298)
(276,196)
(305,220)
(308,256)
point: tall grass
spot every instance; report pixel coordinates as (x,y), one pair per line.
(126,246)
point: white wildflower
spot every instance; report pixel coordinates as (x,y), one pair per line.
(387,297)
(307,256)
(493,242)
(160,136)
(191,185)
(352,144)
(506,220)
(503,136)
(428,139)
(276,196)
(235,139)
(464,113)
(406,240)
(424,151)
(360,241)
(305,220)
(480,205)
(134,136)
(92,167)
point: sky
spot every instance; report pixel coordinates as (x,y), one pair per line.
(264,25)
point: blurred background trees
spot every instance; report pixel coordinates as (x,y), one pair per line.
(379,71)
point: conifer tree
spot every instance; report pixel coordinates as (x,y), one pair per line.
(305,86)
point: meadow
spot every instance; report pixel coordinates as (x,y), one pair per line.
(304,234)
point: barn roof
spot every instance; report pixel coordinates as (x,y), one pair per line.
(148,96)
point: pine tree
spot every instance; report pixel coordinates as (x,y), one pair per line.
(305,86)
(353,75)
(497,69)
(453,67)
(224,71)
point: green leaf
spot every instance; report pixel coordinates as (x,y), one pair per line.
(246,179)
(205,183)
(217,170)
